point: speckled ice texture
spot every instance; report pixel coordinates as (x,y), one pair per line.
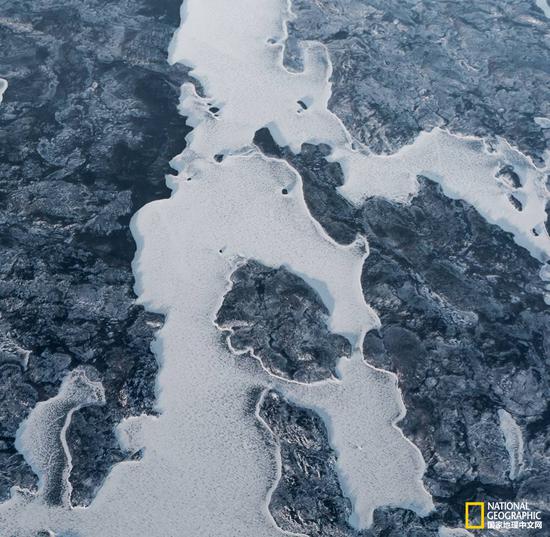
(350,268)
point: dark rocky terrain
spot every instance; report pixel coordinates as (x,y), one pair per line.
(308,498)
(465,328)
(88,125)
(282,321)
(467,303)
(403,66)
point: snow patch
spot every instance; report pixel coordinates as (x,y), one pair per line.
(513,439)
(41,438)
(377,466)
(3,88)
(466,169)
(544,7)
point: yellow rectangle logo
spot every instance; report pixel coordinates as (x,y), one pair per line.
(467,524)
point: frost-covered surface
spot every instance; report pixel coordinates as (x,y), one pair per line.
(41,438)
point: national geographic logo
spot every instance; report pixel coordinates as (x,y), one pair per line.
(474,516)
(501,515)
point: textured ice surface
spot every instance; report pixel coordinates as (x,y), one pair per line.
(41,437)
(206,470)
